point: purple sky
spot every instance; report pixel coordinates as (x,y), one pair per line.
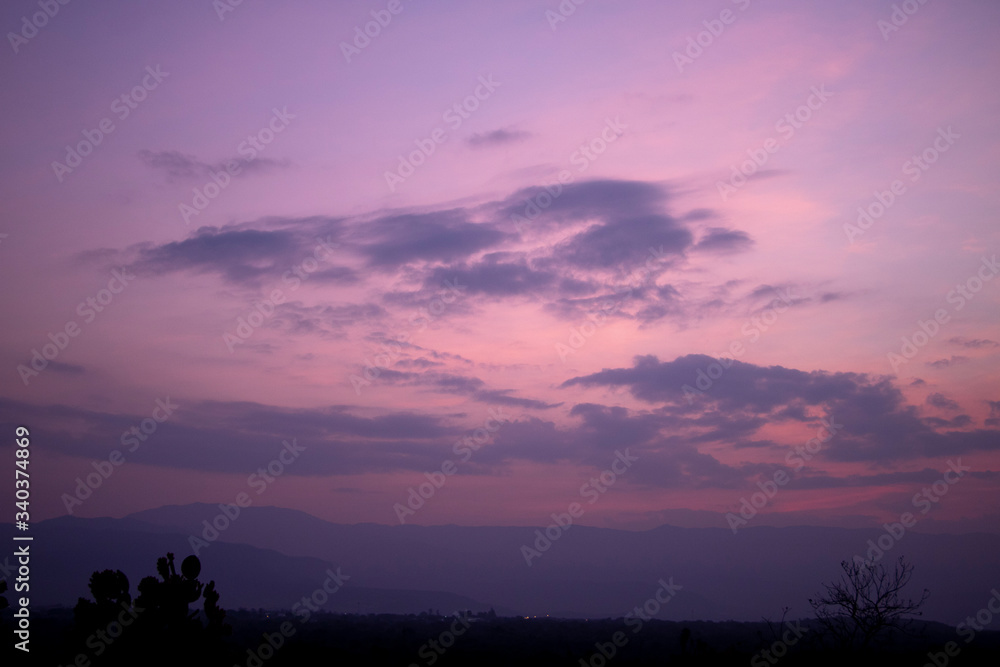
(566,221)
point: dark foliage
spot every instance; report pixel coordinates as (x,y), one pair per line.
(158,626)
(867,605)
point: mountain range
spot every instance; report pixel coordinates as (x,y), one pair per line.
(270,557)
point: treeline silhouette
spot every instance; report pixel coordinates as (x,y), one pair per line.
(156,627)
(174,619)
(125,629)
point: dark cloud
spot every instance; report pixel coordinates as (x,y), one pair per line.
(666,303)
(247,256)
(393,241)
(240,255)
(182,166)
(942,401)
(452,383)
(324,320)
(588,200)
(627,242)
(418,363)
(175,164)
(240,437)
(946,363)
(595,307)
(626,221)
(576,287)
(994,418)
(606,427)
(755,444)
(669,439)
(914,478)
(742,386)
(277,248)
(338,275)
(471,386)
(764,296)
(493,277)
(625,225)
(961,421)
(65,368)
(974,343)
(497,138)
(878,425)
(720,240)
(503,397)
(618,240)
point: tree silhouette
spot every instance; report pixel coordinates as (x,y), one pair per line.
(165,601)
(165,628)
(111,596)
(866,602)
(775,628)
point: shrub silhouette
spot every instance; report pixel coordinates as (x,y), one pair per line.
(162,626)
(165,601)
(111,597)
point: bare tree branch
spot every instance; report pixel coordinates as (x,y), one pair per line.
(866,602)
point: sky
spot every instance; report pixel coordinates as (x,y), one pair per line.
(454,263)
